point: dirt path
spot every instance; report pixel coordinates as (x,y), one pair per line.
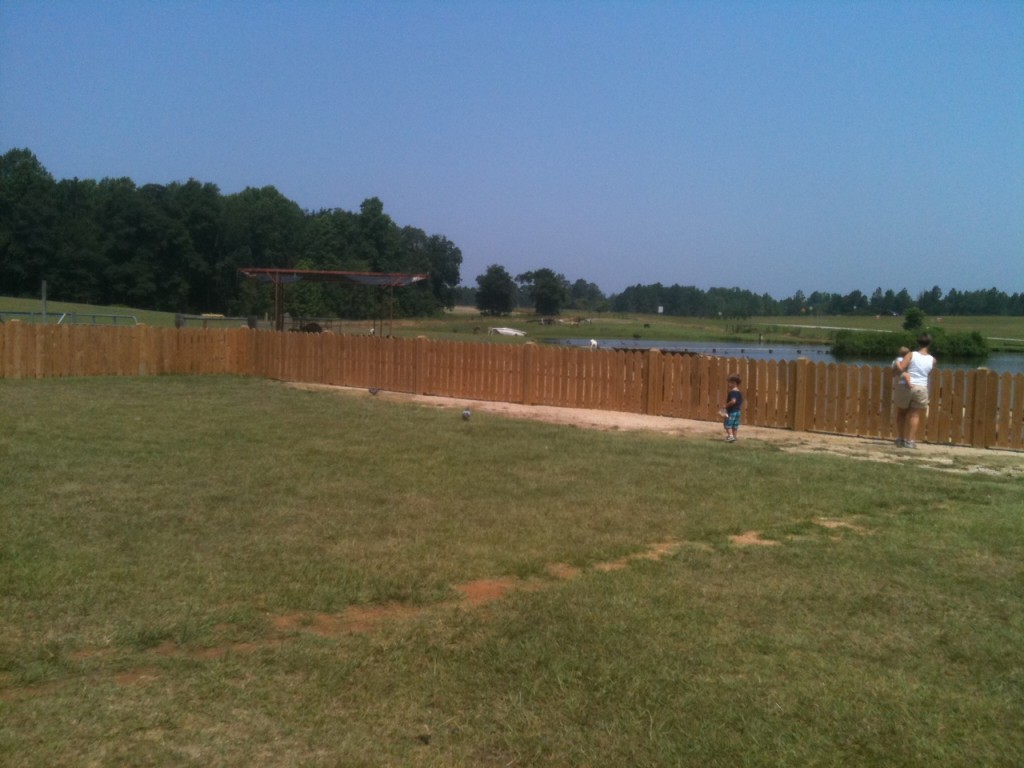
(939,457)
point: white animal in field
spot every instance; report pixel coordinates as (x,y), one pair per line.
(506,331)
(593,343)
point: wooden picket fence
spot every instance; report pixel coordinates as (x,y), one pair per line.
(976,408)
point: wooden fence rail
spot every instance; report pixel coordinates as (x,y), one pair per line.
(978,408)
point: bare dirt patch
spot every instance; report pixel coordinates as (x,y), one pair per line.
(363,619)
(656,552)
(483,591)
(354,619)
(832,525)
(137,677)
(752,539)
(563,571)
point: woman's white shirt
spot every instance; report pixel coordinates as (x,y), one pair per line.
(919,368)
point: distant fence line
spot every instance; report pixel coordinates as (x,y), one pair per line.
(73,318)
(977,408)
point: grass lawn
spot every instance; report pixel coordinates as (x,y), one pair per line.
(223,571)
(88,313)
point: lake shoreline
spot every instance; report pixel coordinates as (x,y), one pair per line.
(1003,362)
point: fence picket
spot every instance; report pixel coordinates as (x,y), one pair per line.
(1014,421)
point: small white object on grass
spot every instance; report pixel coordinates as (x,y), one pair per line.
(466,414)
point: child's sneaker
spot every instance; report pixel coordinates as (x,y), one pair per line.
(899,442)
(909,444)
(730,439)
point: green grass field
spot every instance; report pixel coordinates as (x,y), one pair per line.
(232,572)
(88,313)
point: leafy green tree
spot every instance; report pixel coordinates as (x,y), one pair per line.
(903,301)
(130,229)
(585,296)
(496,291)
(200,208)
(28,220)
(643,299)
(330,242)
(913,319)
(306,299)
(465,296)
(325,240)
(260,228)
(434,255)
(931,301)
(378,238)
(549,291)
(855,301)
(445,260)
(686,301)
(177,264)
(78,264)
(877,301)
(796,304)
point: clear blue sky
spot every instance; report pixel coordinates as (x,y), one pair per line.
(773,146)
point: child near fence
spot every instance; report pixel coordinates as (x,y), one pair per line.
(733,407)
(898,377)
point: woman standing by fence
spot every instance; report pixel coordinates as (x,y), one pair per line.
(912,391)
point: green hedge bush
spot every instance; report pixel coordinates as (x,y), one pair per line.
(884,346)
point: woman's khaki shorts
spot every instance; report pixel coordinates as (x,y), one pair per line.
(911,397)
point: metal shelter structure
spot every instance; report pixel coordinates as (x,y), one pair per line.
(280,277)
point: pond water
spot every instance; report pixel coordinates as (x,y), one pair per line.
(1002,362)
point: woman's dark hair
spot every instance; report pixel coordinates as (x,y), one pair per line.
(924,340)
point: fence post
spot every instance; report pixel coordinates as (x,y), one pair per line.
(983,407)
(976,436)
(991,408)
(652,383)
(419,373)
(799,413)
(529,372)
(14,350)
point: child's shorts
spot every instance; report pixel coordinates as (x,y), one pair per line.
(732,421)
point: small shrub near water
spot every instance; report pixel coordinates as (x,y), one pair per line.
(949,346)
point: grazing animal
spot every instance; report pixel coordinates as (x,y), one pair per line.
(593,343)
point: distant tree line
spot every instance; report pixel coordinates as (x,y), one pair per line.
(178,247)
(688,301)
(497,292)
